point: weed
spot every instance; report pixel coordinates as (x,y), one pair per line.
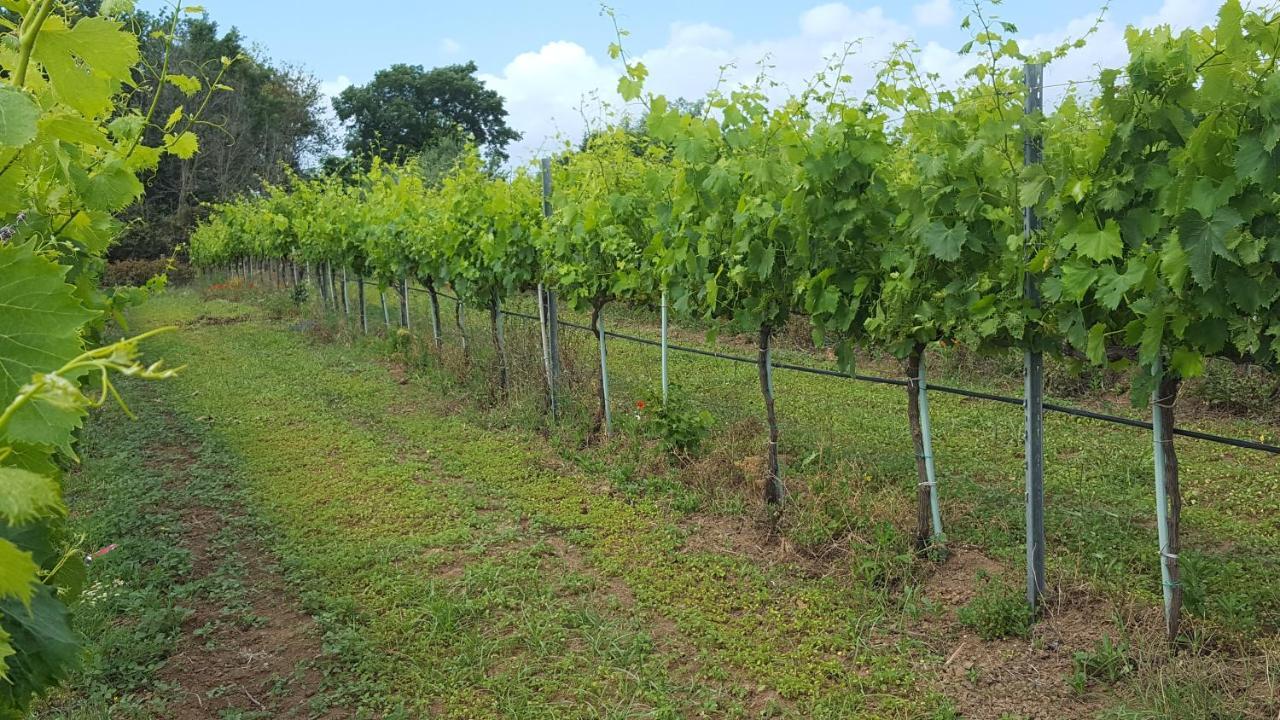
(1108,662)
(999,610)
(678,424)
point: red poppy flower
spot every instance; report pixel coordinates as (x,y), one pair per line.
(639,404)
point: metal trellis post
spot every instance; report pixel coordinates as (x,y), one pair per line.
(1033,397)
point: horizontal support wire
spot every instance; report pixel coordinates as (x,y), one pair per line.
(962,392)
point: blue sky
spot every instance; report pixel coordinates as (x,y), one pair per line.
(545,57)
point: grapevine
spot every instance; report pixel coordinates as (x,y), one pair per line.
(895,221)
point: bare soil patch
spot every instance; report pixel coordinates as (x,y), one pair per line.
(1014,677)
(262,660)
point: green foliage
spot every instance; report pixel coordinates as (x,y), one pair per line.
(272,121)
(758,225)
(595,243)
(1186,261)
(72,154)
(895,234)
(999,610)
(679,425)
(1108,662)
(405,110)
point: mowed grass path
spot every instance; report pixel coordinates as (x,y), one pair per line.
(465,573)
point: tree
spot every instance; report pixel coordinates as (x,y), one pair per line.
(248,138)
(406,109)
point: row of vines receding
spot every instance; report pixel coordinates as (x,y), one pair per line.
(896,219)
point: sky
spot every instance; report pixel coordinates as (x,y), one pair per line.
(545,58)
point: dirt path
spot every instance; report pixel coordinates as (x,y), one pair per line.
(247,649)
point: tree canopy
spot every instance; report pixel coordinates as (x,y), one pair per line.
(406,109)
(270,124)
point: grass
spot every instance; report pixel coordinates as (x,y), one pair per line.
(138,487)
(1099,496)
(464,560)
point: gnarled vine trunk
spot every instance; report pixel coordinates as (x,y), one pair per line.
(462,332)
(774,491)
(364,309)
(597,424)
(499,346)
(404,302)
(435,313)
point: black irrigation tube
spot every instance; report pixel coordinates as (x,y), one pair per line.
(975,394)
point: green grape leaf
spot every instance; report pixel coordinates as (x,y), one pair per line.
(1097,346)
(1152,337)
(1173,263)
(1033,185)
(18,572)
(74,129)
(40,320)
(1207,195)
(127,127)
(88,62)
(1098,245)
(1112,285)
(185,83)
(1253,162)
(1203,238)
(47,646)
(1077,279)
(183,146)
(25,496)
(1188,363)
(114,187)
(942,242)
(18,115)
(6,651)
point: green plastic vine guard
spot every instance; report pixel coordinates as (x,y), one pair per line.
(930,470)
(1162,499)
(665,382)
(604,374)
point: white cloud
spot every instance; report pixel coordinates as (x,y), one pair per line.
(933,13)
(1184,13)
(331,88)
(450,47)
(547,91)
(544,90)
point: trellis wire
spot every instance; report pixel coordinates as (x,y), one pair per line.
(946,389)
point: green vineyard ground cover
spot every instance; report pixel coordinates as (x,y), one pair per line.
(463,563)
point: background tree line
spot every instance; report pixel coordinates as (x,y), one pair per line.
(272,122)
(278,121)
